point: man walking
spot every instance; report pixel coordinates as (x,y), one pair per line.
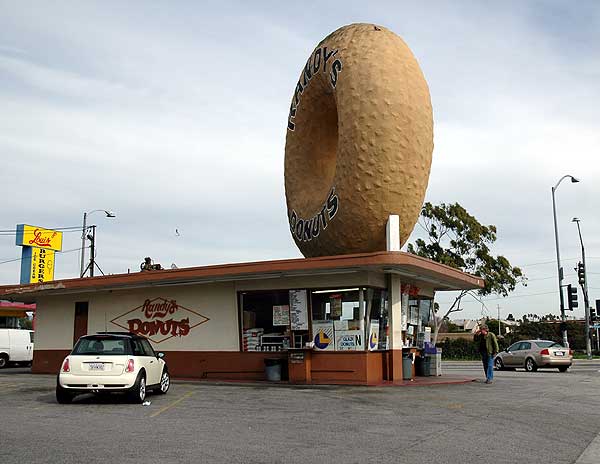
(488,348)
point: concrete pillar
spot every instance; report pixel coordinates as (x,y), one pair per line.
(392,233)
(395,328)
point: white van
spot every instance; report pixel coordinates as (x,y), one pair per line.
(16,345)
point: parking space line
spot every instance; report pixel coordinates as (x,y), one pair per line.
(169,406)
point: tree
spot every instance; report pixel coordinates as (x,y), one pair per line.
(25,323)
(457,239)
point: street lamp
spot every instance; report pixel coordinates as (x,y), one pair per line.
(109,214)
(560,271)
(588,342)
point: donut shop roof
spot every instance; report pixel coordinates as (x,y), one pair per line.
(411,269)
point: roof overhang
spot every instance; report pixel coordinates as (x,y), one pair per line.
(411,268)
(10,309)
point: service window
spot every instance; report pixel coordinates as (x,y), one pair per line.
(349,319)
(265,318)
(417,319)
(377,311)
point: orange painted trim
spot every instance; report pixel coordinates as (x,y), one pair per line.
(365,261)
(352,368)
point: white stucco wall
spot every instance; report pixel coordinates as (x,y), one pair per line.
(217,302)
(54,318)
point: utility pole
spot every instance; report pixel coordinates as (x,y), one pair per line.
(498,320)
(560,270)
(588,341)
(92,250)
(83,232)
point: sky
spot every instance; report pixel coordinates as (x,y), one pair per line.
(173,115)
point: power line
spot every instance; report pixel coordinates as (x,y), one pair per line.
(554,261)
(13,233)
(21,259)
(508,297)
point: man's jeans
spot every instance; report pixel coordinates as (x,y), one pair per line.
(488,366)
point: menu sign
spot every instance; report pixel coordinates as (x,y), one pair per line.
(281,315)
(298,310)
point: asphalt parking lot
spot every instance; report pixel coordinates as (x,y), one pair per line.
(542,417)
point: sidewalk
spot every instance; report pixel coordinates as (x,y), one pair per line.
(416,382)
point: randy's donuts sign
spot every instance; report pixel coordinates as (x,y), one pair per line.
(160,319)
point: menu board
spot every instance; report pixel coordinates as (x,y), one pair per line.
(281,315)
(298,310)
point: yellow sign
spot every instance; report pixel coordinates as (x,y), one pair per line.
(39,237)
(42,265)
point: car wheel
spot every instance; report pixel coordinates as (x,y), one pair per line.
(63,396)
(498,364)
(3,360)
(165,382)
(563,368)
(137,394)
(530,365)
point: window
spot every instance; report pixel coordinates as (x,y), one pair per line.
(138,348)
(525,346)
(548,344)
(265,320)
(147,348)
(340,318)
(418,316)
(31,336)
(514,346)
(101,345)
(377,311)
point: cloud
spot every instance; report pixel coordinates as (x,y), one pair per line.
(176,118)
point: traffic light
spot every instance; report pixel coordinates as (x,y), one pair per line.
(581,273)
(572,297)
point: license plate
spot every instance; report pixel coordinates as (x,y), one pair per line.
(559,353)
(96,366)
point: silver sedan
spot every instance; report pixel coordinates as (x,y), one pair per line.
(533,355)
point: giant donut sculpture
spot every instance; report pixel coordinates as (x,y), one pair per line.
(359,142)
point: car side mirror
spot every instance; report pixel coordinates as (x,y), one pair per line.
(507,350)
(160,355)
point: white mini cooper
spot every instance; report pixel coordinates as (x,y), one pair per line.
(112,362)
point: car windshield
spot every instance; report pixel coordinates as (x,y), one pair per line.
(102,345)
(548,344)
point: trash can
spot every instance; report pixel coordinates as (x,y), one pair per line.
(427,366)
(436,363)
(273,369)
(407,367)
(419,366)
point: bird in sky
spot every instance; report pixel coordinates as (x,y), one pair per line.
(177,232)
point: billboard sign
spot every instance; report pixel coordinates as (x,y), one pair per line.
(34,236)
(37,265)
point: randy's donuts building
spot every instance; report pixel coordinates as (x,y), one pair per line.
(357,159)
